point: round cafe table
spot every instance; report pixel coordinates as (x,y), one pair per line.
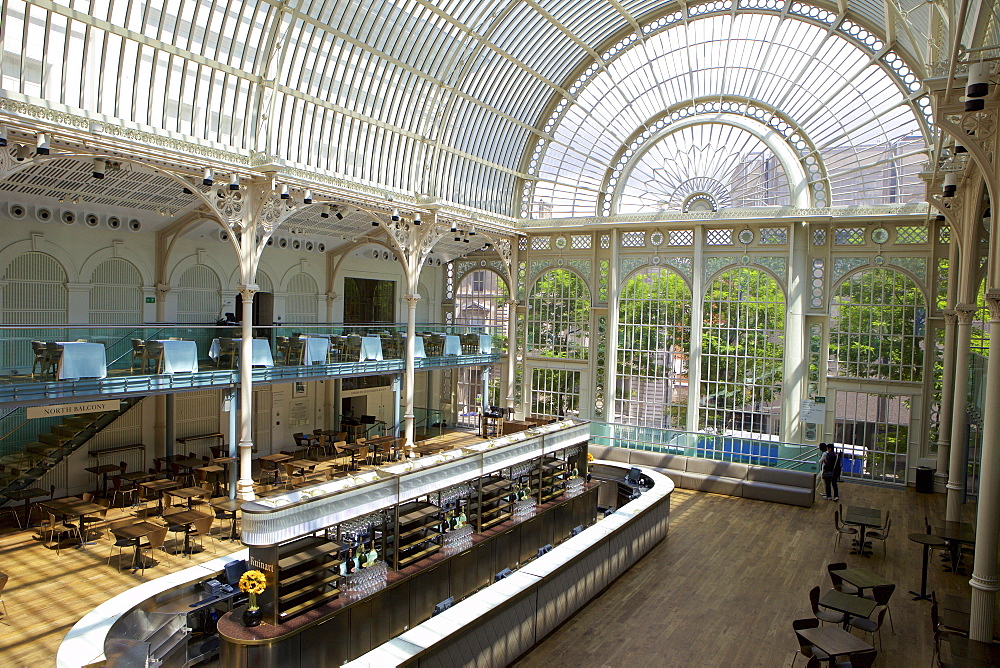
(928,541)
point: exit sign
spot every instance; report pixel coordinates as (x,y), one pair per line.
(150,300)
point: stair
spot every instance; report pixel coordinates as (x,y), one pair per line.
(62,440)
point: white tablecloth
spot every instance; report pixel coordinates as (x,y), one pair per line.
(316,349)
(371,348)
(82,360)
(260,356)
(486,343)
(418,348)
(179,356)
(452,344)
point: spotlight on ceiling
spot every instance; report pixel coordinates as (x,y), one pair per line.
(374,223)
(3,135)
(42,144)
(472,231)
(416,218)
(454,227)
(234,181)
(187,191)
(338,214)
(325,212)
(308,199)
(395,215)
(99,167)
(208,177)
(284,192)
(950,184)
(977,86)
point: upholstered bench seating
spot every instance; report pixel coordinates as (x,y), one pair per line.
(732,478)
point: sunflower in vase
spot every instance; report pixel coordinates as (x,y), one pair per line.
(252,583)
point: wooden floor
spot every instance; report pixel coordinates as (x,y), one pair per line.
(724,586)
(48,593)
(720,590)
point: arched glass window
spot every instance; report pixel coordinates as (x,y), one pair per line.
(300,301)
(116,293)
(199,298)
(741,361)
(654,346)
(480,301)
(558,320)
(877,326)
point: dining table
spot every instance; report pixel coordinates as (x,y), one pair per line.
(81,360)
(452,344)
(849,604)
(230,507)
(956,534)
(26,495)
(485,344)
(260,351)
(185,518)
(927,541)
(103,470)
(74,507)
(179,356)
(864,519)
(862,579)
(835,641)
(973,653)
(371,348)
(158,486)
(135,533)
(316,349)
(189,494)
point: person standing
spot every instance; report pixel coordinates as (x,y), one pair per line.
(822,454)
(831,464)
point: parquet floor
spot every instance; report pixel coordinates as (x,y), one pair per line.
(721,590)
(724,586)
(48,593)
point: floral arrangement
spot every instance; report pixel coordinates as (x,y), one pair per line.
(251,584)
(590,456)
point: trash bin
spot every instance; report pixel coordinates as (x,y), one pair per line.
(925,480)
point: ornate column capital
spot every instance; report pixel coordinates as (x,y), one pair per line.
(993,303)
(965,313)
(248,290)
(510,302)
(412,298)
(950,316)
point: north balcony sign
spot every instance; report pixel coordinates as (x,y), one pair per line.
(60,410)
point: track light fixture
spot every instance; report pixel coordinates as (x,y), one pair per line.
(977,86)
(99,167)
(416,218)
(234,181)
(325,211)
(284,192)
(950,184)
(42,144)
(308,199)
(3,135)
(208,177)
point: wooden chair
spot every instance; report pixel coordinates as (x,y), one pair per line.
(281,350)
(41,361)
(156,540)
(296,351)
(228,354)
(152,356)
(838,582)
(881,595)
(293,476)
(53,355)
(806,648)
(3,583)
(120,543)
(823,615)
(138,350)
(841,528)
(200,529)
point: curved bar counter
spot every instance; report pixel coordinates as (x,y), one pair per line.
(498,624)
(397,620)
